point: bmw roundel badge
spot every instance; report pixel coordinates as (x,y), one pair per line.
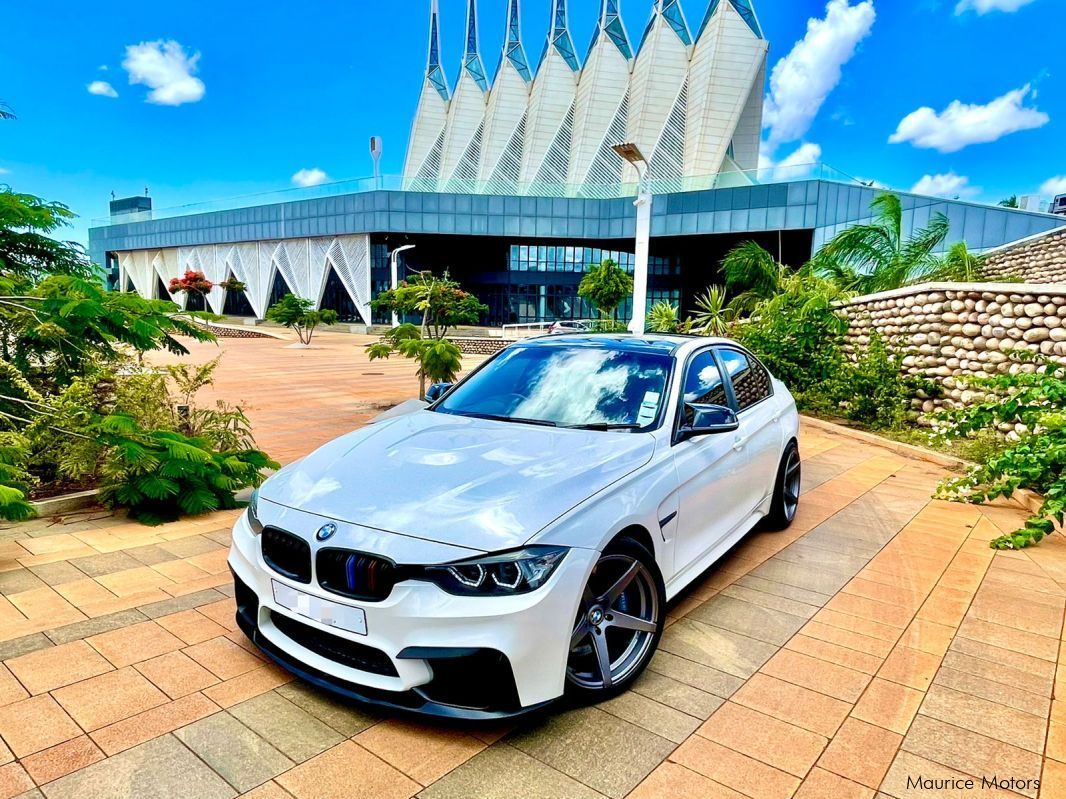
(326,531)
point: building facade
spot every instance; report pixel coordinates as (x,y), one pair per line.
(512,186)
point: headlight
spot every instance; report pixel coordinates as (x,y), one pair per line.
(253,514)
(508,573)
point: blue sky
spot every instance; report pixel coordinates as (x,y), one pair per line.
(252,93)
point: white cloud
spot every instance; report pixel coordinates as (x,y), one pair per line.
(985,6)
(801,81)
(945,185)
(310,177)
(961,124)
(166,69)
(102,88)
(806,155)
(4,171)
(1053,187)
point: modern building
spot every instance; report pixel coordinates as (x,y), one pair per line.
(512,183)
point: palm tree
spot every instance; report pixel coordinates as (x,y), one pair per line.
(960,265)
(662,318)
(875,256)
(713,313)
(1009,202)
(5,111)
(751,275)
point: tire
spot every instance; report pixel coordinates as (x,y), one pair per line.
(786,497)
(621,631)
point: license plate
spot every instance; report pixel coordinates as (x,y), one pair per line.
(343,617)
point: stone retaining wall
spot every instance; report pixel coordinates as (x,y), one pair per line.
(480,346)
(1037,259)
(948,331)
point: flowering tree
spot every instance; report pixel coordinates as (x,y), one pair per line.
(191,283)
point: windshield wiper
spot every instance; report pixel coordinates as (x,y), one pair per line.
(606,426)
(497,418)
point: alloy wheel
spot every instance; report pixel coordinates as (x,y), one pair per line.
(616,623)
(791,487)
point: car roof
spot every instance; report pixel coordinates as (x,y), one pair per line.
(662,343)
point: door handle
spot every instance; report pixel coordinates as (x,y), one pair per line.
(738,443)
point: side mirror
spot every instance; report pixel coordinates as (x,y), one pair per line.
(708,420)
(436,391)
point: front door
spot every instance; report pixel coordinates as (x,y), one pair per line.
(710,470)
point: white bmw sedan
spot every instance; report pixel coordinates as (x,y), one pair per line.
(517,539)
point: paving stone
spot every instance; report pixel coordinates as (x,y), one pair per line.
(105,563)
(987,718)
(999,672)
(51,764)
(677,782)
(765,738)
(800,706)
(596,748)
(176,674)
(48,669)
(18,580)
(771,601)
(1040,646)
(861,752)
(753,621)
(150,555)
(237,754)
(33,724)
(134,644)
(969,752)
(89,627)
(1010,696)
(123,735)
(653,716)
(816,557)
(347,719)
(159,769)
(818,675)
(424,752)
(820,784)
(782,571)
(807,597)
(1008,658)
(705,678)
(502,772)
(720,649)
(24,645)
(185,602)
(347,771)
(109,697)
(57,573)
(741,773)
(908,766)
(292,730)
(190,546)
(676,694)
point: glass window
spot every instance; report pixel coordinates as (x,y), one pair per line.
(751,382)
(703,384)
(573,385)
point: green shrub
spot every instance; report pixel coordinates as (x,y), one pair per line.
(606,285)
(439,360)
(15,481)
(160,474)
(1034,397)
(299,315)
(871,389)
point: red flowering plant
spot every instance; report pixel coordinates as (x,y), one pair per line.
(191,283)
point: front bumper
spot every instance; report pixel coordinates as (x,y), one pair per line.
(425,650)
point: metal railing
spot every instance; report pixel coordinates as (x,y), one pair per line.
(751,177)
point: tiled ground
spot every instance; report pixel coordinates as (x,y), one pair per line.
(877,641)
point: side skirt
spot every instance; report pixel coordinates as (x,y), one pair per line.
(681,580)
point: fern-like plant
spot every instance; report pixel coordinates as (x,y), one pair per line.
(713,314)
(662,318)
(160,475)
(15,481)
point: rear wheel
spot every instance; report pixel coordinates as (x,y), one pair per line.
(619,622)
(785,502)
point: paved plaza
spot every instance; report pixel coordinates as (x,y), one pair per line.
(877,641)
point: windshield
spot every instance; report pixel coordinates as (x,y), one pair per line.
(566,386)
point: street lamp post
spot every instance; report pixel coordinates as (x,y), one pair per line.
(393,259)
(631,153)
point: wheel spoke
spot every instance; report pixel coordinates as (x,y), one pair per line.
(603,658)
(621,584)
(625,621)
(580,631)
(790,497)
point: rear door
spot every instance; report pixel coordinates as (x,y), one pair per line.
(759,436)
(710,469)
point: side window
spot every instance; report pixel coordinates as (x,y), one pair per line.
(703,383)
(751,382)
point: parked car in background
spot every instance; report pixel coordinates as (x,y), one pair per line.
(519,538)
(569,326)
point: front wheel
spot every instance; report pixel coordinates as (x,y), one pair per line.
(619,622)
(786,498)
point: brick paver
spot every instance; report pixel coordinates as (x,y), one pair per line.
(878,639)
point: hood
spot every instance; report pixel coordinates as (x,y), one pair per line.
(475,483)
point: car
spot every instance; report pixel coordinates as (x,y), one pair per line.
(569,326)
(517,540)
